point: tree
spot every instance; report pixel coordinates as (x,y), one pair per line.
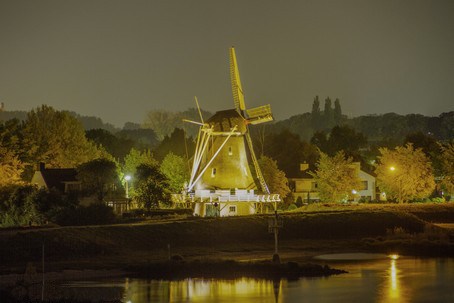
(142,138)
(12,137)
(176,170)
(274,177)
(162,122)
(57,139)
(151,187)
(346,139)
(99,176)
(447,159)
(289,151)
(337,112)
(315,114)
(320,139)
(135,158)
(177,143)
(404,172)
(328,114)
(429,146)
(336,177)
(117,147)
(11,167)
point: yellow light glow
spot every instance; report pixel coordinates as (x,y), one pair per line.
(392,168)
(394,256)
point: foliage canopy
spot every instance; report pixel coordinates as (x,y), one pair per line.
(176,170)
(337,177)
(274,177)
(405,171)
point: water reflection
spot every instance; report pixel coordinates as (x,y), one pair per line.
(201,290)
(385,280)
(393,287)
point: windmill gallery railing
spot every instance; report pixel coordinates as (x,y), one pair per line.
(191,198)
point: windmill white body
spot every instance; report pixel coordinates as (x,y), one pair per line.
(226,179)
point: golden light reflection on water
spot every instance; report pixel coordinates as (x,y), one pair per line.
(202,290)
(393,290)
(394,287)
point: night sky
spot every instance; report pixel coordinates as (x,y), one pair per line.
(118,59)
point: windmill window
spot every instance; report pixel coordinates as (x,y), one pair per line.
(213,172)
(230,151)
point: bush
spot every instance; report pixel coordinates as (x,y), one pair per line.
(299,202)
(16,207)
(26,205)
(94,214)
(292,207)
(438,199)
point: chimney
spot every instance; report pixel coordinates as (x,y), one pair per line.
(304,166)
(41,166)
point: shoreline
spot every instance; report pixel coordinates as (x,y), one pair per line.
(305,234)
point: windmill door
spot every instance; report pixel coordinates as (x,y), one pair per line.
(212,210)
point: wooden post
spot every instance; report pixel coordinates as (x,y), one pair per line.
(42,290)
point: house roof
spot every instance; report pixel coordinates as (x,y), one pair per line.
(305,175)
(302,175)
(56,177)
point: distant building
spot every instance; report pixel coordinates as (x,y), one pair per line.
(62,179)
(306,186)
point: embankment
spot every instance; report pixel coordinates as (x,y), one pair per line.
(71,243)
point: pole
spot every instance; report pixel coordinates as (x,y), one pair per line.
(42,290)
(127,189)
(400,191)
(275,229)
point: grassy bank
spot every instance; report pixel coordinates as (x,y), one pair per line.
(371,227)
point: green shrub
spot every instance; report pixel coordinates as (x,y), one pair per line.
(299,202)
(438,199)
(26,205)
(94,214)
(292,207)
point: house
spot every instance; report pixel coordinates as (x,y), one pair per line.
(306,187)
(65,180)
(61,179)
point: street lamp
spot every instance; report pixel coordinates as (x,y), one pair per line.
(127,178)
(392,168)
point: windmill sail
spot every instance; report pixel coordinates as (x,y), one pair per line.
(259,114)
(237,90)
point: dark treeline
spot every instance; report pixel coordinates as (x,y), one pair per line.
(391,128)
(290,142)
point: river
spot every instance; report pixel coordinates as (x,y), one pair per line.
(374,279)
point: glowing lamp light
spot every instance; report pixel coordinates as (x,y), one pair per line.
(394,256)
(127,178)
(354,192)
(392,168)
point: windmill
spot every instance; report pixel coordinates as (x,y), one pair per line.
(221,181)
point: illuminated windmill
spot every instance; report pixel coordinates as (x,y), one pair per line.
(221,181)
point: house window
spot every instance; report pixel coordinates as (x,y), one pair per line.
(314,185)
(213,172)
(365,185)
(232,209)
(230,151)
